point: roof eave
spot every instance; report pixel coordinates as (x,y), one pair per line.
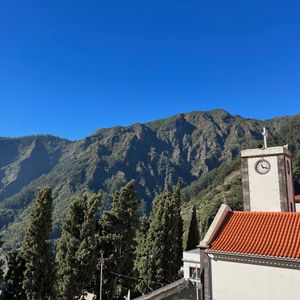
(249,255)
(215,226)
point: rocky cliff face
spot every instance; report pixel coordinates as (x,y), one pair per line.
(24,159)
(155,154)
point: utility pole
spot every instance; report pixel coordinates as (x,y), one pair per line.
(197,292)
(101,273)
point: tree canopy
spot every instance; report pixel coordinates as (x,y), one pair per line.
(36,250)
(117,231)
(76,251)
(159,261)
(193,236)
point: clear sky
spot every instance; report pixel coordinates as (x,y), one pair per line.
(70,67)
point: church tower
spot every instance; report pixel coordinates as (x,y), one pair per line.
(267,179)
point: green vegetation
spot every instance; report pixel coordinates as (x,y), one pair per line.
(2,262)
(199,150)
(178,227)
(141,257)
(193,236)
(181,149)
(15,276)
(222,185)
(76,251)
(159,261)
(296,172)
(36,250)
(290,134)
(117,232)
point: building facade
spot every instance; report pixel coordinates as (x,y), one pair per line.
(255,253)
(191,264)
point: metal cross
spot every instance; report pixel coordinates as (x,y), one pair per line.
(265,135)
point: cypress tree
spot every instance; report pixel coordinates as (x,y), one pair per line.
(36,250)
(193,232)
(2,262)
(14,276)
(160,244)
(76,251)
(178,226)
(296,169)
(117,240)
(160,261)
(157,254)
(140,263)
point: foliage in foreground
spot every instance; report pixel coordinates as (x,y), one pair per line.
(76,253)
(159,260)
(193,236)
(117,230)
(38,279)
(15,276)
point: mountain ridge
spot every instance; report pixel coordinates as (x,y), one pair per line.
(156,154)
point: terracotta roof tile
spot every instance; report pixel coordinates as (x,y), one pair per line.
(260,233)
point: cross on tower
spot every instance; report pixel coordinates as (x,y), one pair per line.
(265,135)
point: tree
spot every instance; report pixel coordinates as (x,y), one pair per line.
(2,262)
(36,250)
(193,232)
(290,134)
(140,263)
(76,251)
(117,240)
(178,226)
(15,276)
(296,169)
(160,261)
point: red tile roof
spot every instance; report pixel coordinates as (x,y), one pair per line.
(297,198)
(260,233)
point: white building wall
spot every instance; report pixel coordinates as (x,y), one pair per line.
(259,185)
(191,259)
(297,206)
(236,281)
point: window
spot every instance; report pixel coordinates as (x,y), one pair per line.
(193,273)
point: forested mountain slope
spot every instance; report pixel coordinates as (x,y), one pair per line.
(223,184)
(182,148)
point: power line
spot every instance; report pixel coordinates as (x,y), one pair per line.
(121,275)
(135,278)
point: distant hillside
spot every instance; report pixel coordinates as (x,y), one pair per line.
(23,160)
(182,148)
(223,184)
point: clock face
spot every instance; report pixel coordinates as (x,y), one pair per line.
(262,166)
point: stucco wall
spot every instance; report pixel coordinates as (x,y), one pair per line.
(264,189)
(236,281)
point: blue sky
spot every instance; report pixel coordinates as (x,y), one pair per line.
(70,67)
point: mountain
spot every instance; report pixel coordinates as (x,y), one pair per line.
(182,148)
(223,184)
(23,160)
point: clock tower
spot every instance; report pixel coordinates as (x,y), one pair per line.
(267,179)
